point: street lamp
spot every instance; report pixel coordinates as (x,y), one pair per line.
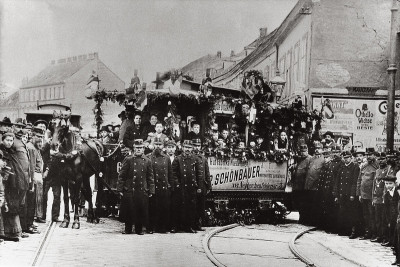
(277,85)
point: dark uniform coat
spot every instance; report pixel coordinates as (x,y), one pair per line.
(300,173)
(187,172)
(136,181)
(159,211)
(204,185)
(314,172)
(344,188)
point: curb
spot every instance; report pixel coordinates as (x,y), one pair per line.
(38,252)
(207,239)
(294,250)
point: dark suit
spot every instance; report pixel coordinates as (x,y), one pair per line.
(176,200)
(187,172)
(136,181)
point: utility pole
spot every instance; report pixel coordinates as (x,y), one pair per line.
(392,79)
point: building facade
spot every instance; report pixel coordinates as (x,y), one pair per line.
(64,81)
(336,50)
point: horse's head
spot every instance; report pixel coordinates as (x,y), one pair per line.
(59,127)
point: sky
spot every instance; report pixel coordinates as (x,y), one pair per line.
(146,35)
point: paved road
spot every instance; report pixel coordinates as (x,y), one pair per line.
(103,244)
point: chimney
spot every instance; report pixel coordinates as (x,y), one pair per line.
(53,62)
(263,32)
(157,79)
(96,55)
(219,54)
(232,53)
(208,72)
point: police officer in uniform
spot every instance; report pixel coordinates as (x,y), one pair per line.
(204,184)
(159,203)
(187,172)
(136,184)
(344,191)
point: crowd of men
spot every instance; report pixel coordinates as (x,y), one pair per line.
(349,191)
(24,182)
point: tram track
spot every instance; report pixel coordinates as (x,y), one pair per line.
(40,252)
(304,248)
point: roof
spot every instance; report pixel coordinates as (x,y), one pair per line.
(11,101)
(56,73)
(265,45)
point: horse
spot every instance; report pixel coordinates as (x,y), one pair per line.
(82,161)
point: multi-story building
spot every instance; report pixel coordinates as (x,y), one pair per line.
(336,49)
(64,81)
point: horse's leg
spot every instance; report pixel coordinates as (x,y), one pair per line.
(87,191)
(64,186)
(76,201)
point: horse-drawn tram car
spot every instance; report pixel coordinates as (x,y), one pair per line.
(250,143)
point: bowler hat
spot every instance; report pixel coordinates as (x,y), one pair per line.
(346,154)
(328,133)
(390,178)
(158,141)
(196,142)
(138,143)
(19,122)
(187,143)
(6,121)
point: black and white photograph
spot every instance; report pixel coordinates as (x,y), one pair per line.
(200,133)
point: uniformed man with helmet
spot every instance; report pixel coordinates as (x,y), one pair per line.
(136,184)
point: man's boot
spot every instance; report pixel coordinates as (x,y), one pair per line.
(353,233)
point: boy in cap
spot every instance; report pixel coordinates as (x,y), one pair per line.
(344,191)
(364,191)
(136,185)
(390,199)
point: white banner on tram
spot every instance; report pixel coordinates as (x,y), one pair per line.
(234,175)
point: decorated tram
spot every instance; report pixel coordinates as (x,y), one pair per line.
(250,140)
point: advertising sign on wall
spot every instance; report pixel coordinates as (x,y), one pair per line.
(364,119)
(235,175)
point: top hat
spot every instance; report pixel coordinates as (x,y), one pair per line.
(328,133)
(303,148)
(170,143)
(370,151)
(196,142)
(158,141)
(346,154)
(138,143)
(187,143)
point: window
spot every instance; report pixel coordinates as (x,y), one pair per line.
(31,95)
(288,71)
(266,73)
(303,59)
(47,93)
(296,63)
(37,94)
(62,92)
(57,93)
